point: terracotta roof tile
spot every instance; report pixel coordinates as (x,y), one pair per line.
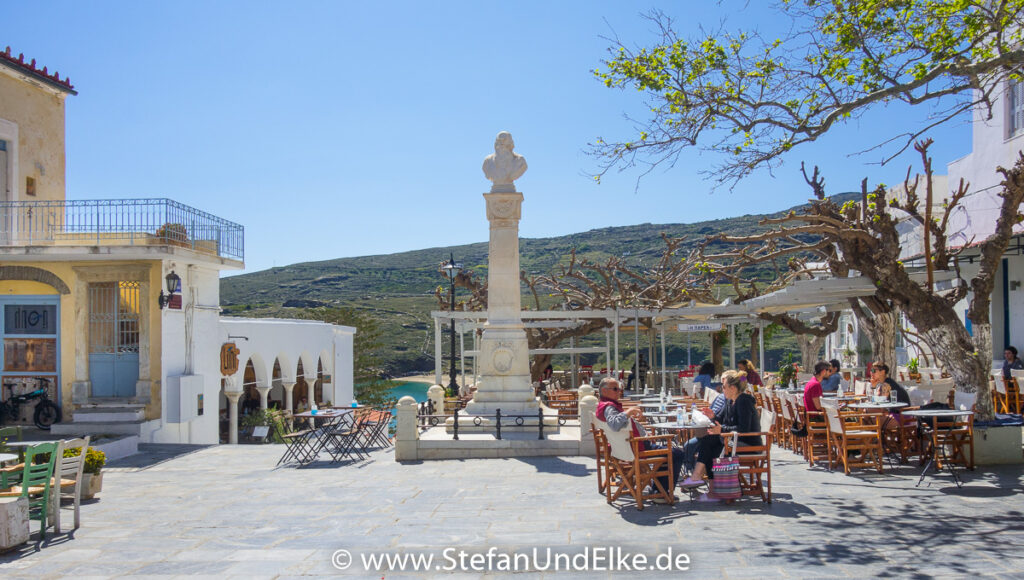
(30,69)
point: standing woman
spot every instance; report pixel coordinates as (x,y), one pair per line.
(753,379)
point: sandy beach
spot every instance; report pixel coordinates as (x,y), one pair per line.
(429,379)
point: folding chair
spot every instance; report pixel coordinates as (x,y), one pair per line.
(755,464)
(297,446)
(601,454)
(862,438)
(345,438)
(635,469)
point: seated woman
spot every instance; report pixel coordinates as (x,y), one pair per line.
(738,416)
(882,385)
(704,376)
(753,379)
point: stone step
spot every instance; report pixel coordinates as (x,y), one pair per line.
(79,428)
(109,414)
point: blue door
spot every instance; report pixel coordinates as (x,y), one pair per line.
(114,338)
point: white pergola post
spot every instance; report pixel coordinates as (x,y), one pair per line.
(264,391)
(663,369)
(607,349)
(615,369)
(289,386)
(462,354)
(437,351)
(760,345)
(732,345)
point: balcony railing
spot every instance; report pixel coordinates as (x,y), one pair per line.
(113,222)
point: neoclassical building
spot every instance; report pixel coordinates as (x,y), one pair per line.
(112,306)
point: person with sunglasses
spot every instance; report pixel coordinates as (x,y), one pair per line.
(609,410)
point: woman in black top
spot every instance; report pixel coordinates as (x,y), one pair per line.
(738,416)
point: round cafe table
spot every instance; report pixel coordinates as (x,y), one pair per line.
(887,405)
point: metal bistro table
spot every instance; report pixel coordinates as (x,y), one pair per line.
(937,450)
(656,406)
(318,437)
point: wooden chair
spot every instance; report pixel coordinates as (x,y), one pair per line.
(787,440)
(601,454)
(942,390)
(634,469)
(951,440)
(816,443)
(919,396)
(1013,388)
(37,483)
(755,464)
(69,472)
(1000,398)
(10,474)
(861,437)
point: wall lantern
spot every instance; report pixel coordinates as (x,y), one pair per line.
(172,280)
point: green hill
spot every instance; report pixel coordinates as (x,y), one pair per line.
(397,289)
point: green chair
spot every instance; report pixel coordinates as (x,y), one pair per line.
(37,482)
(10,474)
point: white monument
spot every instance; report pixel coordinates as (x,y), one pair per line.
(504,357)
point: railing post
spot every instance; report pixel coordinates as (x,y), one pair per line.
(540,422)
(455,425)
(497,417)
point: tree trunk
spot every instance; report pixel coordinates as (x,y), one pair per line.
(755,353)
(881,330)
(810,350)
(716,351)
(540,362)
(958,353)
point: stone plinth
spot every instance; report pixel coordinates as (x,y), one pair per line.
(14,530)
(504,355)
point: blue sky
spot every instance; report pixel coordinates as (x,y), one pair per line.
(334,129)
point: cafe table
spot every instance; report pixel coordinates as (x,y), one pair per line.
(318,435)
(937,455)
(684,431)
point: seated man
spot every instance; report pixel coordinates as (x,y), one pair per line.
(812,390)
(609,410)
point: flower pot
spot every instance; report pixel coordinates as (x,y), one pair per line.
(91,485)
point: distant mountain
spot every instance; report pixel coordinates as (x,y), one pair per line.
(396,290)
(415,272)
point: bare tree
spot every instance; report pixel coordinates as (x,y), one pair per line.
(863,236)
(583,284)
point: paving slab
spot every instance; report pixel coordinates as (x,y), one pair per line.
(229,511)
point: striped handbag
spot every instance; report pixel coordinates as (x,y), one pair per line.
(726,471)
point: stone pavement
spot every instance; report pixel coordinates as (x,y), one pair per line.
(226,511)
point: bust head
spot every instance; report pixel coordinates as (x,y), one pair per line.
(503,143)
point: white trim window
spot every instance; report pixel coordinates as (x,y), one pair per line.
(1015,107)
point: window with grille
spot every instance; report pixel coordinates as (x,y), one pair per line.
(114,317)
(1015,106)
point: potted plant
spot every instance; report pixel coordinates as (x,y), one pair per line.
(787,371)
(92,475)
(912,369)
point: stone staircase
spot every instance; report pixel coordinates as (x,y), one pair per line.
(99,417)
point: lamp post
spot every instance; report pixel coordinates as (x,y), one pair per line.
(451,269)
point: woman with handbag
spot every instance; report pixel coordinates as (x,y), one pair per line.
(738,416)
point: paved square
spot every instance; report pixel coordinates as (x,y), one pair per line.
(227,512)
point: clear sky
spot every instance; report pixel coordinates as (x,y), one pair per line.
(332,129)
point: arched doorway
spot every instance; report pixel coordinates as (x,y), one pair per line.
(250,394)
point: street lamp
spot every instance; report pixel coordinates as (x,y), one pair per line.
(451,269)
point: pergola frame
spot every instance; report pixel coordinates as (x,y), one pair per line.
(800,297)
